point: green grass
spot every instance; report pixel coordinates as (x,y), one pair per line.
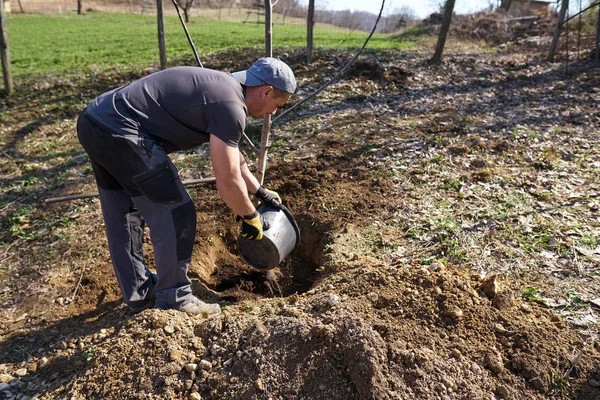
(59,43)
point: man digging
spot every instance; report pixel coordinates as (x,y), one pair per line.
(128,132)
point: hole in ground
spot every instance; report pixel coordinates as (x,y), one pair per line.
(297,273)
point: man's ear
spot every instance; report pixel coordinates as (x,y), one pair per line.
(268,91)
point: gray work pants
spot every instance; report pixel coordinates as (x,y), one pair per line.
(139,184)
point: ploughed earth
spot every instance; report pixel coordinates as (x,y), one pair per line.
(449,246)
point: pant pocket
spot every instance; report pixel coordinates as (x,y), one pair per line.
(159,184)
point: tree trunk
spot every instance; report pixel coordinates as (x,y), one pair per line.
(561,17)
(310,23)
(505,4)
(162,49)
(439,49)
(80,8)
(598,38)
(21,7)
(264,140)
(6,74)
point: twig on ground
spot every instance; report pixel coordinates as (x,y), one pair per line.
(575,361)
(78,284)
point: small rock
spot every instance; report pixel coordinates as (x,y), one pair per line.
(175,355)
(372,296)
(4,386)
(435,266)
(454,313)
(437,290)
(191,367)
(188,384)
(43,361)
(503,300)
(169,329)
(494,362)
(21,372)
(333,299)
(503,392)
(5,378)
(195,396)
(32,368)
(260,386)
(206,365)
(476,369)
(526,308)
(538,384)
(456,353)
(500,329)
(491,286)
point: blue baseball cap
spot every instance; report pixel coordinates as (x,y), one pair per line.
(270,71)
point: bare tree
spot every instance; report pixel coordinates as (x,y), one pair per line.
(186,5)
(310,24)
(286,7)
(6,74)
(439,49)
(80,8)
(561,17)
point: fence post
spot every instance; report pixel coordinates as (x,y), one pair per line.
(161,34)
(4,53)
(264,139)
(310,23)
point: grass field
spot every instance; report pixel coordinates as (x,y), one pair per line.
(59,43)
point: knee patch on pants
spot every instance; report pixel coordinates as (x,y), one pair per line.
(184,219)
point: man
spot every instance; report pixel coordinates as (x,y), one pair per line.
(128,132)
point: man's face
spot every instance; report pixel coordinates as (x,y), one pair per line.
(268,102)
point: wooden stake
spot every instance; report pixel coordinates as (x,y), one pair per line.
(264,142)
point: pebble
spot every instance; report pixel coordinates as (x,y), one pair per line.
(494,362)
(260,386)
(21,372)
(5,378)
(372,296)
(169,329)
(476,369)
(333,299)
(195,396)
(206,365)
(43,361)
(4,386)
(175,355)
(191,367)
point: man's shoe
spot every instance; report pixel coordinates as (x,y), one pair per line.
(196,306)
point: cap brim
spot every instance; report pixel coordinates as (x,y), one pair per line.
(247,79)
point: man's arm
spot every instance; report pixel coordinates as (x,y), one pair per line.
(230,182)
(251,182)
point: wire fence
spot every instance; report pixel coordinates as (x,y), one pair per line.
(231,13)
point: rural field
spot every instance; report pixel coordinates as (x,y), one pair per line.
(449,217)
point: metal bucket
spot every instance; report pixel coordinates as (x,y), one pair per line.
(282,237)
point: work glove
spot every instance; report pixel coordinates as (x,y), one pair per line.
(268,197)
(252,226)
